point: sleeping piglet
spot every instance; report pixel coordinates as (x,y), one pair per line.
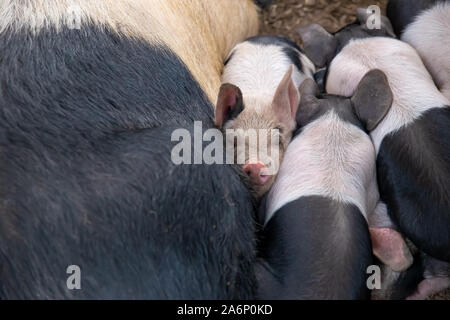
(260,95)
(316,242)
(321,47)
(412,142)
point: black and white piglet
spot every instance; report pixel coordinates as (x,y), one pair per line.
(425,24)
(321,47)
(260,91)
(316,242)
(412,141)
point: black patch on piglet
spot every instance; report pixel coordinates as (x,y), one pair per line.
(274,41)
(315,248)
(289,48)
(294,57)
(403,12)
(414,180)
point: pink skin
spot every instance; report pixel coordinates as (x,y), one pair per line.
(437,278)
(257,173)
(429,287)
(389,246)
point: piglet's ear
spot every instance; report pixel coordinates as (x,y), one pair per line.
(320,78)
(309,101)
(286,99)
(229,104)
(320,46)
(372,99)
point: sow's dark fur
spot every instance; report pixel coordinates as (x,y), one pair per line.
(86,177)
(414,179)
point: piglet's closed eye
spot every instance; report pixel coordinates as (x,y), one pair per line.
(372,99)
(286,99)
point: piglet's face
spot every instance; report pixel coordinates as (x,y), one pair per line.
(259,138)
(259,141)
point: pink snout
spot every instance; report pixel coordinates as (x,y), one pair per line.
(257,172)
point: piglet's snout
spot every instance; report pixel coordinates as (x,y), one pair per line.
(258,172)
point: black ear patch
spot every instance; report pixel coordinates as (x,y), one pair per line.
(308,102)
(372,99)
(319,45)
(320,77)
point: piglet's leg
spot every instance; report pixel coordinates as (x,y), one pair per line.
(428,287)
(437,278)
(388,244)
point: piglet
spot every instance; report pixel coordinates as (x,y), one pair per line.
(260,92)
(425,24)
(402,13)
(321,47)
(316,242)
(412,142)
